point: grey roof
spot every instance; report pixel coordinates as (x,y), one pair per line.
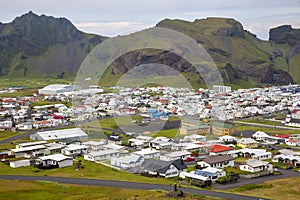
(256,163)
(62,134)
(217,159)
(161,166)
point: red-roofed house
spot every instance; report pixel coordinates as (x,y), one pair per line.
(218,149)
(293,142)
(283,136)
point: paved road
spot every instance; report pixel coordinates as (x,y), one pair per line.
(240,182)
(128,185)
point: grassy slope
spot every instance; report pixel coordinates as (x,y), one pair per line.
(276,189)
(52,190)
(91,170)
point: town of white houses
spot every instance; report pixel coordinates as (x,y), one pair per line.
(196,137)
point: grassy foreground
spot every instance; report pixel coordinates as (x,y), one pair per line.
(90,170)
(278,189)
(52,190)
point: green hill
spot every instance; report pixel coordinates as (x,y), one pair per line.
(33,45)
(36,46)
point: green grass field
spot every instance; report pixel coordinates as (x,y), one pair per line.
(172,133)
(8,134)
(40,190)
(90,170)
(278,189)
(242,127)
(32,82)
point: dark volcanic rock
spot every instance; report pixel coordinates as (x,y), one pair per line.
(284,34)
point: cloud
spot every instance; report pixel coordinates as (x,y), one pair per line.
(111,28)
(261,26)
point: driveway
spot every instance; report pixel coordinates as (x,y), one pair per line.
(127,185)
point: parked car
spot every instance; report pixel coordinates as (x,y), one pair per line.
(189,159)
(288,167)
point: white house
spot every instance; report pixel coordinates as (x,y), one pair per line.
(209,173)
(260,136)
(75,150)
(148,153)
(287,159)
(175,155)
(19,163)
(28,144)
(127,162)
(195,138)
(94,145)
(254,165)
(220,161)
(161,143)
(259,154)
(228,139)
(101,155)
(36,150)
(55,159)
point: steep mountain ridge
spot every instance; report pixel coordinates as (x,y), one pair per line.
(33,45)
(27,43)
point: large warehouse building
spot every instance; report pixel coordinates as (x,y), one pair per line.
(55,89)
(64,135)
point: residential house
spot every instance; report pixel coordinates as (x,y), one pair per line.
(228,139)
(20,163)
(218,149)
(6,125)
(221,161)
(293,142)
(259,154)
(260,136)
(28,144)
(161,143)
(24,126)
(247,143)
(194,138)
(209,173)
(75,150)
(101,155)
(112,146)
(164,169)
(29,151)
(148,153)
(94,145)
(58,160)
(254,165)
(175,155)
(287,159)
(53,148)
(138,144)
(127,162)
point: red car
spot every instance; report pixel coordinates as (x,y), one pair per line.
(189,159)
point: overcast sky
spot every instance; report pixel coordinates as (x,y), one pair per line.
(117,17)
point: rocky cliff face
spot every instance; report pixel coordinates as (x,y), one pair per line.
(35,45)
(239,55)
(42,45)
(285,34)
